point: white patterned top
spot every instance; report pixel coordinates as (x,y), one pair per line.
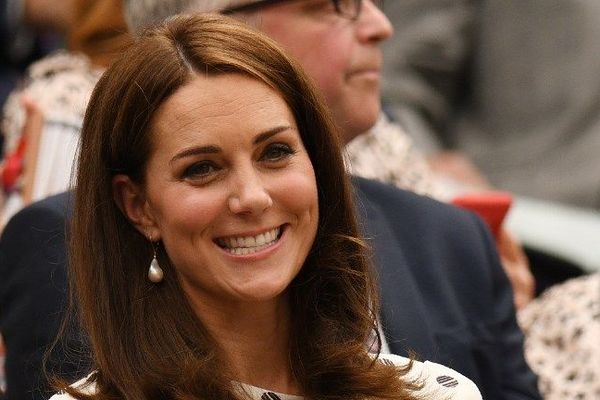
(438,382)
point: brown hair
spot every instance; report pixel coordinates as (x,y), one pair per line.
(146,341)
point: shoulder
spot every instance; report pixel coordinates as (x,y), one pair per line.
(51,209)
(382,193)
(36,223)
(387,196)
(85,385)
(437,380)
(406,210)
(62,396)
(60,203)
(35,237)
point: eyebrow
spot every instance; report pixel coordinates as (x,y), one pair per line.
(270,133)
(212,149)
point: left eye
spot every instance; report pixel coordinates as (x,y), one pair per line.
(200,170)
(276,152)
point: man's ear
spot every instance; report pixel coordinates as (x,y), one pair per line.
(131,200)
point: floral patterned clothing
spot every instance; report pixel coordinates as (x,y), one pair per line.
(562,339)
(388,154)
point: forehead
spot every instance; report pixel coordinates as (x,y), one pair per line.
(220,104)
(292,11)
(304,24)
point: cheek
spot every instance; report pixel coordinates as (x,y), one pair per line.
(327,66)
(329,82)
(187,213)
(297,195)
(186,225)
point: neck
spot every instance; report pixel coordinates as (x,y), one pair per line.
(255,338)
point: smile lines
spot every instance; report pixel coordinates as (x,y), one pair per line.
(243,245)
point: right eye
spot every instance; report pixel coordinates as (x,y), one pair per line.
(199,170)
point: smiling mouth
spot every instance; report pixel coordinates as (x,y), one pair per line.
(242,245)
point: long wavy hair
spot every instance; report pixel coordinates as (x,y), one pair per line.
(146,342)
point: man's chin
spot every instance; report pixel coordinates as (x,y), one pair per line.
(358,124)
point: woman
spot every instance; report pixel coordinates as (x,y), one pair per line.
(214,246)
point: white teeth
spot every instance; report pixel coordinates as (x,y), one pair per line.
(249,244)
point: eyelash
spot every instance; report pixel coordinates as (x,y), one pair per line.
(192,170)
(282,150)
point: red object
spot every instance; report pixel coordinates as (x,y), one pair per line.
(492,207)
(13,166)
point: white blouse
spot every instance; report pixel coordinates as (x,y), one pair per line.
(438,382)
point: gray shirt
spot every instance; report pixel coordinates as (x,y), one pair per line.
(514,84)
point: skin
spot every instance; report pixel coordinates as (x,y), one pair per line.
(341,56)
(228,161)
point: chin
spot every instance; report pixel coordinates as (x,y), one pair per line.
(358,127)
(261,292)
(358,123)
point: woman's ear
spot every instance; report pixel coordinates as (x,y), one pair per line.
(132,202)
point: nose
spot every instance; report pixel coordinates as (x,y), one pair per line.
(373,25)
(249,195)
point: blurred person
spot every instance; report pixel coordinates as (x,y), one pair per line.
(215,253)
(512,86)
(100,31)
(427,254)
(29,29)
(42,116)
(60,85)
(504,93)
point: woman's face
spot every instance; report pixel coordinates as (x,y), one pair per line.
(230,190)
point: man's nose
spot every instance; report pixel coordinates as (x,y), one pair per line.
(373,25)
(249,194)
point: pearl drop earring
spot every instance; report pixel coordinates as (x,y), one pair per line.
(155,272)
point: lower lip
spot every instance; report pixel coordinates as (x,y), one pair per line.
(259,255)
